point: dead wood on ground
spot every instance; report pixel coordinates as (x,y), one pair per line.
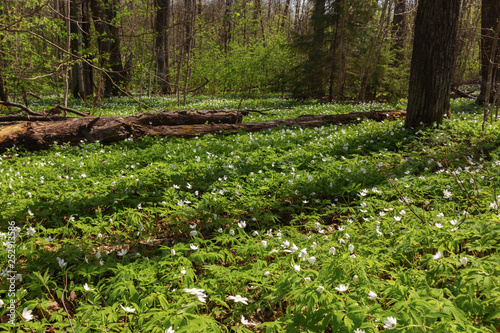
(36,135)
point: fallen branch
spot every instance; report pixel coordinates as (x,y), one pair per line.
(199,87)
(34,95)
(22,107)
(58,108)
(462,93)
(247,112)
(41,135)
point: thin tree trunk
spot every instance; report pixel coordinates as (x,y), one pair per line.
(68,49)
(490,14)
(490,83)
(316,56)
(296,18)
(226,25)
(162,22)
(334,60)
(399,29)
(286,15)
(81,73)
(190,21)
(109,45)
(343,53)
(3,89)
(373,53)
(4,96)
(88,71)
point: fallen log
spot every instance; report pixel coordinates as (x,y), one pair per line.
(460,93)
(22,117)
(176,117)
(41,135)
(58,109)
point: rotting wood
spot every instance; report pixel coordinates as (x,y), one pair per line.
(35,135)
(460,93)
(59,108)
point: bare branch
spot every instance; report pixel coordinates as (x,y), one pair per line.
(22,107)
(105,72)
(63,108)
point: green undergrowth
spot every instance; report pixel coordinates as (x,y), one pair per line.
(365,227)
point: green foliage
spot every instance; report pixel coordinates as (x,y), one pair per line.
(289,229)
(347,31)
(24,54)
(248,63)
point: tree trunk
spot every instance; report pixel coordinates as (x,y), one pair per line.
(108,41)
(315,67)
(490,14)
(4,96)
(87,70)
(373,54)
(162,22)
(399,22)
(286,15)
(82,73)
(436,27)
(3,90)
(227,26)
(41,135)
(189,23)
(67,18)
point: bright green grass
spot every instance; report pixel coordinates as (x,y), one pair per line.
(374,204)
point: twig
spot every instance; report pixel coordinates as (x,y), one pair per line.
(472,201)
(62,299)
(464,189)
(64,108)
(81,58)
(199,87)
(34,95)
(397,190)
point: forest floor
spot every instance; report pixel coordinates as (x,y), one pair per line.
(363,227)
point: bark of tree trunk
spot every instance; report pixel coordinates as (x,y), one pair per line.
(286,15)
(399,22)
(67,18)
(162,38)
(316,58)
(189,23)
(374,53)
(82,73)
(490,14)
(3,90)
(436,26)
(109,45)
(227,25)
(41,135)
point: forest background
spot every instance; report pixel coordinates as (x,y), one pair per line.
(329,49)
